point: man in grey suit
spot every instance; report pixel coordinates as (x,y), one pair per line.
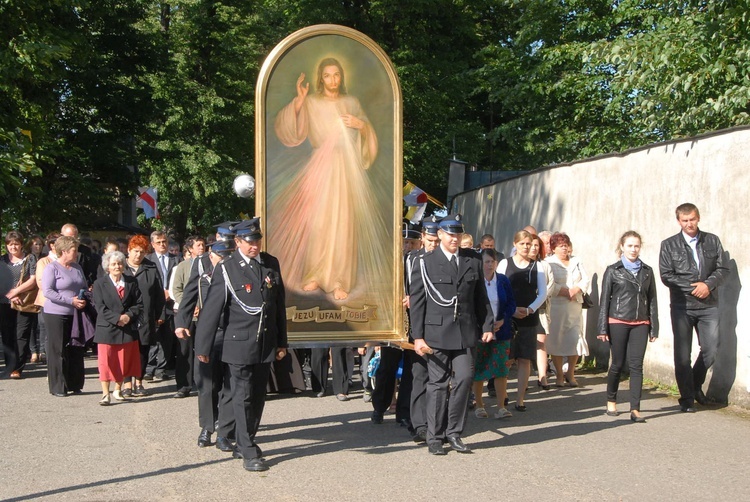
(449,313)
(247,290)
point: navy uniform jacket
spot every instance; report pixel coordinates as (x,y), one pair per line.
(248,339)
(109,308)
(447,328)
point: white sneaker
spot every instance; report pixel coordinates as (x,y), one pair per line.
(503,413)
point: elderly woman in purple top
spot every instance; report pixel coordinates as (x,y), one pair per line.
(63,282)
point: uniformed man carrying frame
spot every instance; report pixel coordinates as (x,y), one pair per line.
(247,288)
(449,313)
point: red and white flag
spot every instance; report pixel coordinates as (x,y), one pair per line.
(147,200)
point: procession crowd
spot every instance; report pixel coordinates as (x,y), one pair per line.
(142,306)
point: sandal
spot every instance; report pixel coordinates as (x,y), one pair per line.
(480,413)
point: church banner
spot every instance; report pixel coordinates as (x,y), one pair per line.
(329,172)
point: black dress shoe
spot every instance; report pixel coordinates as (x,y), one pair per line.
(419,436)
(637,419)
(701,398)
(610,413)
(544,386)
(458,445)
(687,409)
(237,454)
(182,393)
(436,449)
(59,394)
(255,465)
(377,417)
(404,422)
(224,444)
(204,439)
(148,377)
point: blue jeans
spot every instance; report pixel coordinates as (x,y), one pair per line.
(706,325)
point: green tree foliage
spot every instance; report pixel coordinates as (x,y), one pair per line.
(685,73)
(206,90)
(573,79)
(76,78)
(98,97)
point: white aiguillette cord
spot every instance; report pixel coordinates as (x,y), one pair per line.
(432,290)
(247,308)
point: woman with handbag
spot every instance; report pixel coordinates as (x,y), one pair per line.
(628,319)
(118,307)
(17,309)
(63,285)
(565,308)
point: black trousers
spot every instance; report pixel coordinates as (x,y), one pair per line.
(8,318)
(183,370)
(385,378)
(161,354)
(446,411)
(385,383)
(418,398)
(627,342)
(340,375)
(706,325)
(24,325)
(65,369)
(215,392)
(319,369)
(248,400)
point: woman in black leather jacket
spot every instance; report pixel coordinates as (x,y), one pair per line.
(628,318)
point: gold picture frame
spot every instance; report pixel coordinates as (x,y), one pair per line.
(329,184)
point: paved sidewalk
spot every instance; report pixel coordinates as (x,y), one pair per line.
(562,448)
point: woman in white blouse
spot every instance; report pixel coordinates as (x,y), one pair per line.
(565,316)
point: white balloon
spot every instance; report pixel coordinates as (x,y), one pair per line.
(244,185)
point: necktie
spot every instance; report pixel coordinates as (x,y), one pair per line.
(694,248)
(163,259)
(454,262)
(121,291)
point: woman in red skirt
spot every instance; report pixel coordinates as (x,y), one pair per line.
(119,307)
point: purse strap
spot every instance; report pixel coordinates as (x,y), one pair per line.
(23,270)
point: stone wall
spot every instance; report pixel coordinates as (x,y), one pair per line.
(595,200)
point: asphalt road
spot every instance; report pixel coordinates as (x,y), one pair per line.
(562,448)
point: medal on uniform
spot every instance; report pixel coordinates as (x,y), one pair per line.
(269,283)
(248,288)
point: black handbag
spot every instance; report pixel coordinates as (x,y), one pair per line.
(587,301)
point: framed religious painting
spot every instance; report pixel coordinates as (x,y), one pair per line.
(329,171)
